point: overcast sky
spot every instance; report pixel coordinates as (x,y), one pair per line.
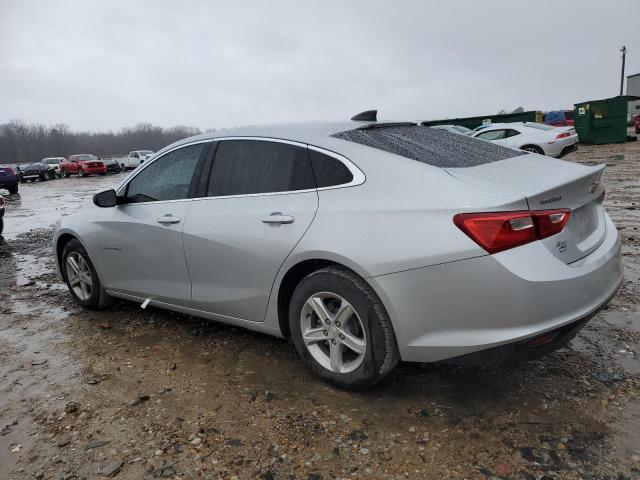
(104,65)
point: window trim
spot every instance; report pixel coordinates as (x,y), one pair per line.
(122,187)
(358,176)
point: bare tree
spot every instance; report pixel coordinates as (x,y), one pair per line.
(22,143)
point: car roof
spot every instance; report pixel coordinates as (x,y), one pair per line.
(315,133)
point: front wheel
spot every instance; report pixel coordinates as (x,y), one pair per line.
(81,277)
(341,329)
(81,173)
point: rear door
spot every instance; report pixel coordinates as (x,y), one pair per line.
(259,199)
(140,241)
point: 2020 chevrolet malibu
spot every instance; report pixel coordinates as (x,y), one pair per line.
(366,242)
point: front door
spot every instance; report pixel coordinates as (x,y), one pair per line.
(260,200)
(141,250)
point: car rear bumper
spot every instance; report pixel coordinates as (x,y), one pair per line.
(102,169)
(568,149)
(458,308)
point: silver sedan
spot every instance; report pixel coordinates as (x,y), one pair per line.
(365,242)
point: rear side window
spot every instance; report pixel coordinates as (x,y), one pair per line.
(429,145)
(244,167)
(492,135)
(329,171)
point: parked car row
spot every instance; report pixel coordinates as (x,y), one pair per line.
(82,165)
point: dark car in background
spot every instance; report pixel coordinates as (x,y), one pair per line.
(1,214)
(112,165)
(36,171)
(8,178)
(55,163)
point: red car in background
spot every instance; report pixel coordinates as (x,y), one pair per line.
(637,123)
(82,164)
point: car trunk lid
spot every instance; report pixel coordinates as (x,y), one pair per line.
(549,184)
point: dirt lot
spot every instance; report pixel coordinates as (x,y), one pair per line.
(150,394)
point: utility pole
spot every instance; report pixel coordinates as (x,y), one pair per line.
(624,53)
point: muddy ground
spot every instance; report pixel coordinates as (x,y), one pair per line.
(139,394)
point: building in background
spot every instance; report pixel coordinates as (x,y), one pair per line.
(633,90)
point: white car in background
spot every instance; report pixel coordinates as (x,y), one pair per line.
(454,129)
(135,159)
(531,137)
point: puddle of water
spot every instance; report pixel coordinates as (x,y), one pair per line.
(626,320)
(29,267)
(39,205)
(46,312)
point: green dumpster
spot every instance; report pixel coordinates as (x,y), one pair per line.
(602,121)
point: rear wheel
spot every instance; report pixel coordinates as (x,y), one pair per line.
(13,189)
(81,277)
(532,149)
(66,174)
(341,329)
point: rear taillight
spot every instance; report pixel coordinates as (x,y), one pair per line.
(563,135)
(10,170)
(498,231)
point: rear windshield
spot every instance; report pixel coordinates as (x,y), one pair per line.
(429,145)
(85,157)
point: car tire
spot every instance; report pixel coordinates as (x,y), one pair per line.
(66,174)
(123,167)
(13,190)
(532,149)
(91,294)
(43,177)
(52,175)
(80,172)
(21,178)
(366,326)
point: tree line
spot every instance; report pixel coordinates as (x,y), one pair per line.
(23,143)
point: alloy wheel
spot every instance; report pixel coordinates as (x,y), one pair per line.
(333,332)
(79,276)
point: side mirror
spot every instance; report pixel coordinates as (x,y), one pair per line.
(106,199)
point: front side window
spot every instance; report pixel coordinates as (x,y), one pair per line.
(512,133)
(244,167)
(167,178)
(492,135)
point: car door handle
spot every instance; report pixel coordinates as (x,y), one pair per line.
(168,219)
(277,218)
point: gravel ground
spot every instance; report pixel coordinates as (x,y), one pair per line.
(137,394)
